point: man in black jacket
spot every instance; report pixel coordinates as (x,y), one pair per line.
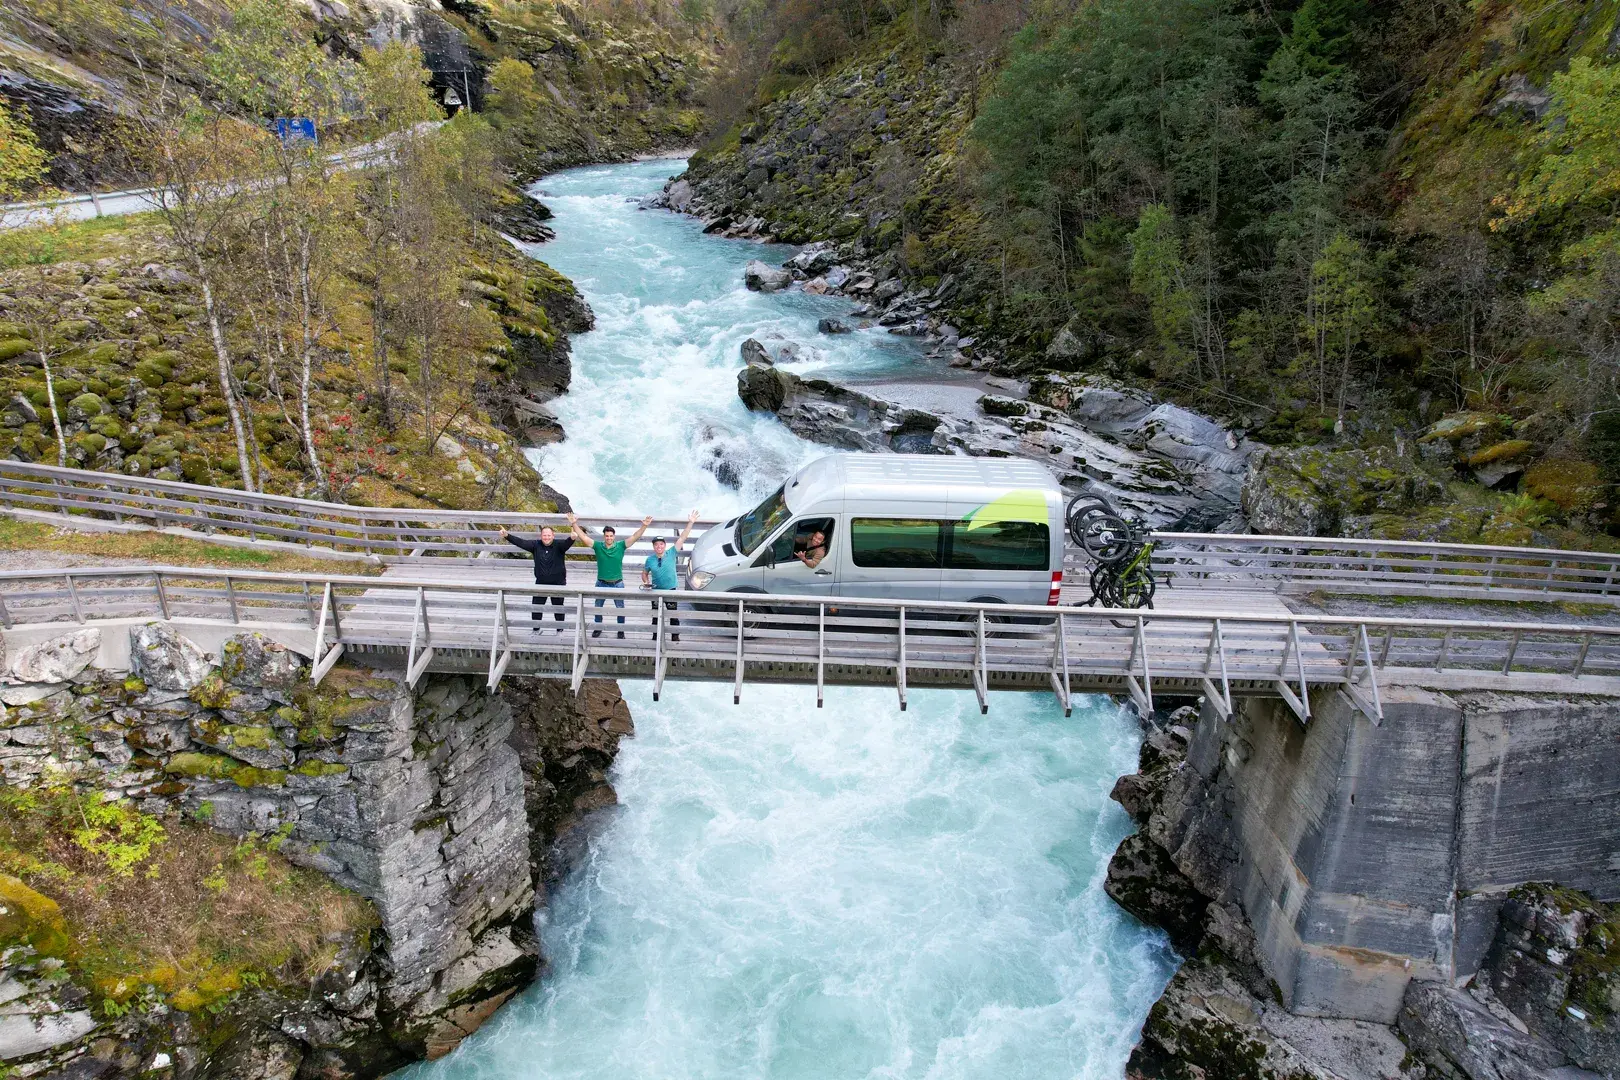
(550,568)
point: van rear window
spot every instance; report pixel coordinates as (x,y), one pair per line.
(1006,545)
(896,543)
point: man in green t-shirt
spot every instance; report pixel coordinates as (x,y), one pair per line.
(609,561)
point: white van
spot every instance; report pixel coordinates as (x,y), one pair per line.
(910,526)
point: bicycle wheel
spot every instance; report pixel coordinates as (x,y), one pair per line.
(1104,585)
(1081,508)
(1108,538)
(1136,588)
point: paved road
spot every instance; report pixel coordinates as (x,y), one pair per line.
(140,200)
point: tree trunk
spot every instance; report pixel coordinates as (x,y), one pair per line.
(306,360)
(223,355)
(50,396)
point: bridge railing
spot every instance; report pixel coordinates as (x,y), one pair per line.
(394,536)
(438,625)
(1278,563)
(1389,567)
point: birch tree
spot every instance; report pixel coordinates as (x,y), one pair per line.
(196,159)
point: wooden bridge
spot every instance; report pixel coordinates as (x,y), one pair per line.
(453,597)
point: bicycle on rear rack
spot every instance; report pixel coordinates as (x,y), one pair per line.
(1122,572)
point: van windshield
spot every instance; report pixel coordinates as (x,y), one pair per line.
(754,526)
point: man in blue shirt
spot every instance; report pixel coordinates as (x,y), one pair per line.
(661,571)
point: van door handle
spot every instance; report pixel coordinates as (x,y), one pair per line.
(823,573)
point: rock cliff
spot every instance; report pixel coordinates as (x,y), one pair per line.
(442,805)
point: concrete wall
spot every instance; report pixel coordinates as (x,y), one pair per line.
(1368,855)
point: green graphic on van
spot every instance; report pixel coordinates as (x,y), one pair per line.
(1023,504)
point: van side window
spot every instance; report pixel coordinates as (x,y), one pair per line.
(896,543)
(807,542)
(1006,545)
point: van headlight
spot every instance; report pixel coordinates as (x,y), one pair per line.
(698,579)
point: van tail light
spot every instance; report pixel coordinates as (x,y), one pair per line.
(1057,589)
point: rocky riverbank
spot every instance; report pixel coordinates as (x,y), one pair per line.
(1166,465)
(446,808)
(1543,1003)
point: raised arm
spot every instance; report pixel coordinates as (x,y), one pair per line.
(514,538)
(691,519)
(578,531)
(630,543)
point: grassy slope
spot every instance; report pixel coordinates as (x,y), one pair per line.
(148,909)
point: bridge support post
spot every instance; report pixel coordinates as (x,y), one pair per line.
(323,663)
(1361,648)
(1141,692)
(1060,667)
(658,648)
(736,688)
(900,667)
(582,648)
(416,664)
(981,677)
(499,641)
(1221,700)
(821,652)
(1301,702)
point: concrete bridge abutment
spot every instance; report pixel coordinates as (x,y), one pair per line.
(1366,855)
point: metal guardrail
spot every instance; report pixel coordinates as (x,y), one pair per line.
(385,535)
(1298,565)
(494,630)
(1287,564)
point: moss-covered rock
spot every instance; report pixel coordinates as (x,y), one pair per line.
(31,918)
(1572,486)
(1312,491)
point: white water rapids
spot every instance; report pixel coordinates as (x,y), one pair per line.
(785,892)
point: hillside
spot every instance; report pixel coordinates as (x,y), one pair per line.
(286,343)
(1334,225)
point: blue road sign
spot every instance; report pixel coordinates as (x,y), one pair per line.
(294,129)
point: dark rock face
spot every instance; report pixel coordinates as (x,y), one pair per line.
(68,123)
(762,388)
(1555,963)
(566,745)
(1307,491)
(539,367)
(1451,1028)
(523,218)
(1144,881)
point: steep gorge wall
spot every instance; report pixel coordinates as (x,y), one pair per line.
(418,799)
(1363,873)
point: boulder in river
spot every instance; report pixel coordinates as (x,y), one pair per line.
(833,326)
(813,260)
(755,353)
(762,277)
(761,387)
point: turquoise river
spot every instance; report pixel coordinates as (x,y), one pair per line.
(786,892)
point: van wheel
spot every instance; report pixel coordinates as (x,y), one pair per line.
(753,614)
(992,621)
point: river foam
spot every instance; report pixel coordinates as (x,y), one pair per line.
(788,892)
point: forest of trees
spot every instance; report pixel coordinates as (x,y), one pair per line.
(1209,175)
(1233,198)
